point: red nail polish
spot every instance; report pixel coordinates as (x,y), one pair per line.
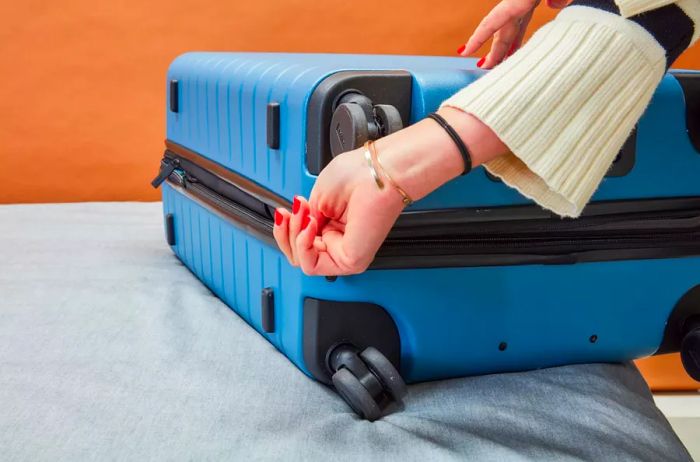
(481,62)
(512,50)
(305,222)
(461,49)
(278,218)
(296,205)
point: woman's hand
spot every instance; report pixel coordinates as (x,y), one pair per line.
(507,24)
(339,230)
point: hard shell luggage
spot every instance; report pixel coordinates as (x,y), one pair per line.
(473,279)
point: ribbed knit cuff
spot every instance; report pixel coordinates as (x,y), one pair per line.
(565,104)
(629,8)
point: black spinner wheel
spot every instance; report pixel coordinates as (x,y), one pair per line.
(356,395)
(367,381)
(385,372)
(389,119)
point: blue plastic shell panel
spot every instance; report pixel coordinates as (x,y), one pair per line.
(544,315)
(455,321)
(223,100)
(237,267)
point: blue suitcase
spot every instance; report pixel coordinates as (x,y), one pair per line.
(473,279)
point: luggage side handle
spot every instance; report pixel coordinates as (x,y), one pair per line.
(690,83)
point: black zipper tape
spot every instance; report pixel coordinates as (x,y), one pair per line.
(495,236)
(252,222)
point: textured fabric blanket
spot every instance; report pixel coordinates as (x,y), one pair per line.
(111,350)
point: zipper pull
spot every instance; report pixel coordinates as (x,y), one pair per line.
(167,167)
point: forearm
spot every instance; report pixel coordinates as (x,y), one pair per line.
(565,104)
(551,119)
(423,157)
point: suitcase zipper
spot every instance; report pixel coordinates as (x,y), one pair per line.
(168,166)
(228,206)
(466,238)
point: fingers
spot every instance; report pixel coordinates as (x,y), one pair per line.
(557,3)
(502,44)
(296,234)
(517,43)
(281,232)
(300,213)
(320,212)
(337,252)
(363,235)
(315,254)
(307,253)
(288,225)
(503,14)
(312,252)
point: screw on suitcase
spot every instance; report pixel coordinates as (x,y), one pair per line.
(473,279)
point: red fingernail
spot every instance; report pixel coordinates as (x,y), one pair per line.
(305,222)
(481,62)
(512,49)
(278,218)
(461,49)
(296,205)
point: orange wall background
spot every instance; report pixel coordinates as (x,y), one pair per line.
(82,81)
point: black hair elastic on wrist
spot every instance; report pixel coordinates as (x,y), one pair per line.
(466,156)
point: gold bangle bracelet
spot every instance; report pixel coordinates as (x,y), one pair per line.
(374,156)
(370,164)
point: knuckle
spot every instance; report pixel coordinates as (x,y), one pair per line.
(309,269)
(355,263)
(350,260)
(330,210)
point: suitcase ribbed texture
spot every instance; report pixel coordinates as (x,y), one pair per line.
(207,245)
(223,100)
(222,115)
(224,91)
(452,321)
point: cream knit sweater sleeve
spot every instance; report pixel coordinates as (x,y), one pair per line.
(566,102)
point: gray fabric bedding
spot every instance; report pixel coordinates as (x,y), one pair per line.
(111,350)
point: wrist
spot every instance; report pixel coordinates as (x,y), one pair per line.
(417,159)
(483,144)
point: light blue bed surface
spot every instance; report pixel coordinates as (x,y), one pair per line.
(111,350)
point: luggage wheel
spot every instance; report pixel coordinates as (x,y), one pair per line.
(690,348)
(366,380)
(356,119)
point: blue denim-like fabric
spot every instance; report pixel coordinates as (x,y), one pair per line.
(111,350)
